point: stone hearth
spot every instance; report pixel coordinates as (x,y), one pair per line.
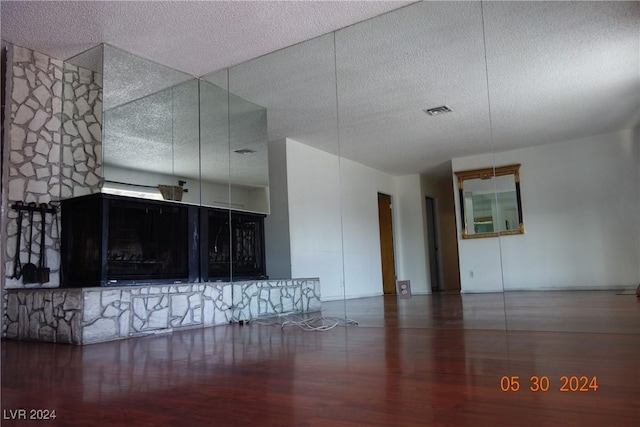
(96,314)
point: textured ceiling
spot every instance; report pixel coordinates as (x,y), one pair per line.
(515,74)
(196,37)
(552,71)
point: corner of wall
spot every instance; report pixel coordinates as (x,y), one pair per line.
(412,254)
(441,187)
(636,142)
(277,233)
(7,75)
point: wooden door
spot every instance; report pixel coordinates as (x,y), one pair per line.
(386,244)
(432,241)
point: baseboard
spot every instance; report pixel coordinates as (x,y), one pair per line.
(353,296)
(366,295)
(572,288)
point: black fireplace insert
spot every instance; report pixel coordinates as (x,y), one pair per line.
(232,245)
(110,240)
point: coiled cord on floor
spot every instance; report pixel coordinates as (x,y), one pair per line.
(311,324)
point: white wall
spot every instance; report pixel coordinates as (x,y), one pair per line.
(276,225)
(333,217)
(636,136)
(580,205)
(411,254)
(361,239)
(315,217)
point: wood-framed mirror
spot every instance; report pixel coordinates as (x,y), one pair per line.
(490,202)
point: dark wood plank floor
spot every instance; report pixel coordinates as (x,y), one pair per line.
(395,369)
(553,311)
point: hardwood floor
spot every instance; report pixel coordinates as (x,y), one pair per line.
(553,311)
(413,362)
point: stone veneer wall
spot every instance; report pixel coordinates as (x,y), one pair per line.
(52,315)
(31,153)
(90,315)
(34,129)
(53,147)
(81,132)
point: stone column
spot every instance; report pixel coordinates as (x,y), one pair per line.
(52,150)
(81,132)
(32,153)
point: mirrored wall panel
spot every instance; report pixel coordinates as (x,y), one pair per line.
(296,89)
(412,96)
(565,92)
(216,253)
(249,156)
(350,147)
(214,140)
(151,130)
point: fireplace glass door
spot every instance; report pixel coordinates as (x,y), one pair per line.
(234,245)
(147,241)
(110,240)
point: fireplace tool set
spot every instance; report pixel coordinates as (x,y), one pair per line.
(29,272)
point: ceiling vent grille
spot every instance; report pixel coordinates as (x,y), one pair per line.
(437,110)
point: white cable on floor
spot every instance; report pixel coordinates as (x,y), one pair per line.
(312,324)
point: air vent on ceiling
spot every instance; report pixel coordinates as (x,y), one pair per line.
(437,110)
(244,151)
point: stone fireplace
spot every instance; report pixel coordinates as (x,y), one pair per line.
(134,267)
(113,240)
(110,240)
(97,314)
(121,266)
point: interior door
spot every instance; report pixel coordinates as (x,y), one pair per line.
(432,232)
(386,244)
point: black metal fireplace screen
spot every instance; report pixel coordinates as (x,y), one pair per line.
(233,245)
(113,240)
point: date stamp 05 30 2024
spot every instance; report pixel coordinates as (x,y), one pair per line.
(29,414)
(567,384)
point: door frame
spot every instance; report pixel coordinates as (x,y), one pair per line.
(389,289)
(433,245)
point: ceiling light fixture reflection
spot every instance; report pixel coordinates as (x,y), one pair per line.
(244,151)
(437,110)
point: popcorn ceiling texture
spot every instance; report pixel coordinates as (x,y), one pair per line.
(196,37)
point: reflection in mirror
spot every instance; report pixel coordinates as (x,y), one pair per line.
(389,70)
(214,140)
(296,86)
(490,202)
(151,145)
(215,220)
(128,77)
(565,93)
(150,132)
(234,148)
(249,156)
(248,186)
(91,59)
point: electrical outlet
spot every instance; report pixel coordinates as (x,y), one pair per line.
(472,274)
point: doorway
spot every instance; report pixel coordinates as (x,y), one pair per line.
(386,244)
(432,242)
